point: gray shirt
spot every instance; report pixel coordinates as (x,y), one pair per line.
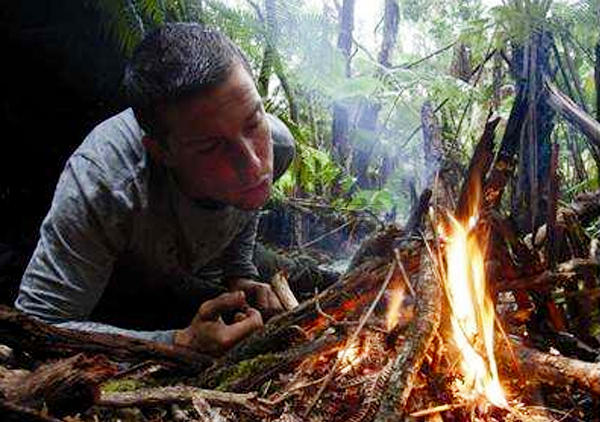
(114,207)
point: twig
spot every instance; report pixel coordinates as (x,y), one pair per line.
(352,339)
(437,409)
(323,236)
(404,274)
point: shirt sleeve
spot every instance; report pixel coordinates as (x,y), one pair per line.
(238,255)
(85,229)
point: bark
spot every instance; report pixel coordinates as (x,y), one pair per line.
(65,387)
(24,333)
(553,194)
(504,164)
(479,166)
(269,53)
(344,42)
(183,394)
(391,17)
(574,114)
(436,175)
(412,351)
(535,366)
(420,207)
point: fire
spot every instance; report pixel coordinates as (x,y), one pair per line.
(394,308)
(472,310)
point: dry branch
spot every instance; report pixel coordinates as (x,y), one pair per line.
(536,366)
(183,394)
(418,338)
(22,332)
(573,113)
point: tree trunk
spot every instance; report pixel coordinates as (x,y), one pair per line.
(340,131)
(367,136)
(391,19)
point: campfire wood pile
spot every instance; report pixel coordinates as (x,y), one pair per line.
(376,346)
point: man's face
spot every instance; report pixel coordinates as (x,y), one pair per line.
(219,144)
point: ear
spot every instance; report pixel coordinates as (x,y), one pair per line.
(157,151)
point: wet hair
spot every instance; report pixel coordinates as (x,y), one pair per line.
(173,63)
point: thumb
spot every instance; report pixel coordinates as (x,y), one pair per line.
(211,309)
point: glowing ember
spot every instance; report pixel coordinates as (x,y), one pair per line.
(394,308)
(472,312)
(353,354)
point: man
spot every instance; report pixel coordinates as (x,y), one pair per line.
(152,226)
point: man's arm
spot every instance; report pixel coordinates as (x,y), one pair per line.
(85,229)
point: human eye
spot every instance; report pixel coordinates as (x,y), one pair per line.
(204,146)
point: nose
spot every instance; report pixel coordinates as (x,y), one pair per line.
(248,160)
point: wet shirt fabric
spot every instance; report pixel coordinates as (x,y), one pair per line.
(119,227)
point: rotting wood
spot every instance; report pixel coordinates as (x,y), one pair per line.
(411,352)
(22,332)
(65,387)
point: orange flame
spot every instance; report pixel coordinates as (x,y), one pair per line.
(472,310)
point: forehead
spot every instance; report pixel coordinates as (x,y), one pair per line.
(237,92)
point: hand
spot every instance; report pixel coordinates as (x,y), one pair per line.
(208,333)
(260,295)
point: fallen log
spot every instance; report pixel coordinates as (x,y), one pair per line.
(64,387)
(22,332)
(538,367)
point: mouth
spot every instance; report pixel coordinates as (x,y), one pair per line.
(262,184)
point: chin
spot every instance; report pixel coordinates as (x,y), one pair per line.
(253,201)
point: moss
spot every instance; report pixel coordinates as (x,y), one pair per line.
(116,386)
(243,370)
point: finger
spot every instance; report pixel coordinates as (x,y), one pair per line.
(237,331)
(262,297)
(211,309)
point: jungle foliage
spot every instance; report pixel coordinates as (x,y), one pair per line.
(353,95)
